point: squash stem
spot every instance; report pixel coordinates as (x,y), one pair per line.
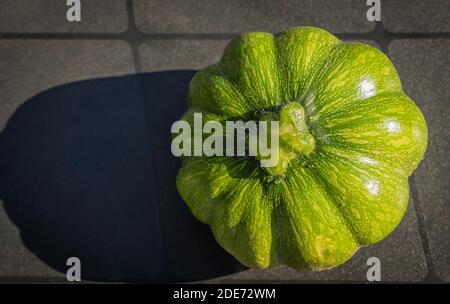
(294,139)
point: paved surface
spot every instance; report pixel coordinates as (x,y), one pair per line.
(82,104)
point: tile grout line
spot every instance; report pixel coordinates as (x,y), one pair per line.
(140,36)
(188,36)
(431,276)
(132,36)
(134,40)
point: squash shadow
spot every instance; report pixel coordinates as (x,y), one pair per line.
(86,171)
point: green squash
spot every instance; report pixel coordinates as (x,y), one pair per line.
(342,182)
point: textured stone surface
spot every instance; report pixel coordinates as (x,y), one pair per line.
(74,163)
(401,258)
(234,16)
(32,66)
(49,16)
(167,67)
(164,55)
(418,16)
(423,66)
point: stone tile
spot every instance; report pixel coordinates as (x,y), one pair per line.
(74,164)
(159,55)
(167,66)
(49,16)
(423,66)
(416,16)
(214,16)
(400,254)
(32,66)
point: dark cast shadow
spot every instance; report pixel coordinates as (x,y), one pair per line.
(86,171)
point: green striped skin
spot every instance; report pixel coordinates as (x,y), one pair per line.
(350,191)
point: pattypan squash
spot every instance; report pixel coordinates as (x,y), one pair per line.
(345,156)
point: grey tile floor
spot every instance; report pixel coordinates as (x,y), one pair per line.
(162,43)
